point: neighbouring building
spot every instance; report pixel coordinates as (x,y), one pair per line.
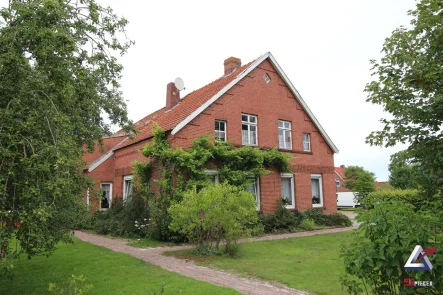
(253,104)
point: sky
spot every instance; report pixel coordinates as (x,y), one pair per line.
(324,47)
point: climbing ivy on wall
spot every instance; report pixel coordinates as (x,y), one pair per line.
(235,166)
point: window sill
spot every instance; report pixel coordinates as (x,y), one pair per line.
(319,207)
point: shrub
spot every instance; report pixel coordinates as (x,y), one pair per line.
(218,214)
(375,257)
(410,196)
(336,219)
(76,286)
(122,219)
(307,224)
(281,220)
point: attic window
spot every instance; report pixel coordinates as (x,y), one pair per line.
(267,78)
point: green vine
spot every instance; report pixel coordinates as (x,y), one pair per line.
(235,166)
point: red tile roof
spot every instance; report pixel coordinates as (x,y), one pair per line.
(167,120)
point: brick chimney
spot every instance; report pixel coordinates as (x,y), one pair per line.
(342,166)
(231,64)
(172,96)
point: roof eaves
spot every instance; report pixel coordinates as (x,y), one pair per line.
(104,157)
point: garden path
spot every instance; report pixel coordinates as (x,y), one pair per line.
(188,268)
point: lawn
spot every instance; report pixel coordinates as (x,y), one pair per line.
(308,263)
(109,272)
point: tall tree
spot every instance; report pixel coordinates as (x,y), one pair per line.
(58,83)
(360,181)
(409,86)
(403,173)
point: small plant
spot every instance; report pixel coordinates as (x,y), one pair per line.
(76,286)
(282,220)
(218,214)
(307,224)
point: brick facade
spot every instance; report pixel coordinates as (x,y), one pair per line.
(270,102)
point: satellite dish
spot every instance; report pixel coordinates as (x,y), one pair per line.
(179,84)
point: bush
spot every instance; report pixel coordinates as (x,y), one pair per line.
(128,220)
(282,220)
(218,214)
(307,224)
(410,196)
(336,219)
(76,286)
(374,260)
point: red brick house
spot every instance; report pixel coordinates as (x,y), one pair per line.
(254,104)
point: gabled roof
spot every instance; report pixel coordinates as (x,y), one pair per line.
(169,119)
(197,101)
(106,155)
(240,75)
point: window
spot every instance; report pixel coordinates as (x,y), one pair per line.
(220,130)
(287,189)
(127,187)
(337,183)
(284,135)
(213,174)
(254,188)
(87,196)
(249,129)
(267,78)
(306,142)
(317,190)
(106,200)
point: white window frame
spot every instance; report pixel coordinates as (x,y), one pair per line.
(226,130)
(249,124)
(337,183)
(127,177)
(87,196)
(320,183)
(307,142)
(267,78)
(257,188)
(213,173)
(291,176)
(110,195)
(285,130)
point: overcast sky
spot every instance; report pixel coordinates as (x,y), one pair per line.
(324,47)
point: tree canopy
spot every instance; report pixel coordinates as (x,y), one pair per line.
(59,93)
(409,86)
(360,181)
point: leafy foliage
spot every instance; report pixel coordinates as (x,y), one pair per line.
(374,260)
(403,173)
(410,196)
(408,86)
(360,181)
(281,220)
(76,286)
(58,82)
(218,214)
(336,219)
(186,169)
(307,224)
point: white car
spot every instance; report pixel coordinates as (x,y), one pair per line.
(346,200)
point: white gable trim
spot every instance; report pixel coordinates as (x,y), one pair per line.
(240,76)
(339,175)
(104,157)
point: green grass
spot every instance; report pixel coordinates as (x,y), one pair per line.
(308,263)
(109,272)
